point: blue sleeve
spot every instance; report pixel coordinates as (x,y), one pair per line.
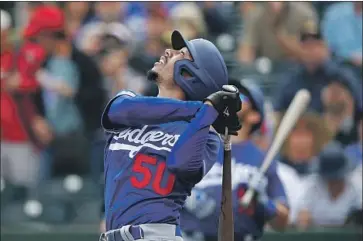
(197,147)
(128,109)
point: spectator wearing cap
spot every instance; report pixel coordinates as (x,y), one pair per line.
(90,42)
(188,18)
(115,48)
(297,156)
(342,30)
(22,129)
(315,72)
(59,79)
(81,91)
(340,111)
(331,196)
(104,12)
(45,28)
(258,37)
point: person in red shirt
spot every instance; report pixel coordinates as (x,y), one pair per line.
(23,130)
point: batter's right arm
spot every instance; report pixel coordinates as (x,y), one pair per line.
(129,109)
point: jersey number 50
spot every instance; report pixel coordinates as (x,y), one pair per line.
(148,177)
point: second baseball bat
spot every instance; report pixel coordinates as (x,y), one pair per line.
(294,111)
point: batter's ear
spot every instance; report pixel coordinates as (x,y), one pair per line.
(185,73)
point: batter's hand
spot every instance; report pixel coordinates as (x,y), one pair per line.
(227,102)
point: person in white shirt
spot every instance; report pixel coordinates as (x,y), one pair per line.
(331,196)
(297,157)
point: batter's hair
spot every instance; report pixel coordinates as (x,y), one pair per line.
(152,75)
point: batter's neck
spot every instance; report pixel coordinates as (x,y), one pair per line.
(171,93)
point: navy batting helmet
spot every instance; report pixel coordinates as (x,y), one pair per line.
(207,69)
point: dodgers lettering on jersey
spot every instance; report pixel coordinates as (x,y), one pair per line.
(145,181)
(203,206)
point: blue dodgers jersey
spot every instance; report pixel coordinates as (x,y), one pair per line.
(139,188)
(202,208)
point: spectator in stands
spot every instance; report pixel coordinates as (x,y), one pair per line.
(148,51)
(90,42)
(297,157)
(105,12)
(77,14)
(317,70)
(116,45)
(214,17)
(109,11)
(46,27)
(331,196)
(188,18)
(138,14)
(22,128)
(340,111)
(258,37)
(342,30)
(59,79)
(60,85)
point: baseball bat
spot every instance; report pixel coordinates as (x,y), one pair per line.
(294,111)
(226,224)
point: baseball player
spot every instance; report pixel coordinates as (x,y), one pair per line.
(199,218)
(160,147)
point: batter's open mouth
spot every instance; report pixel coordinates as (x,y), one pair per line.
(163,60)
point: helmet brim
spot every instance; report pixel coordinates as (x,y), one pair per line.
(178,42)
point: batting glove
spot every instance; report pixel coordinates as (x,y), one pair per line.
(227,102)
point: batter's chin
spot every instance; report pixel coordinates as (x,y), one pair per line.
(152,75)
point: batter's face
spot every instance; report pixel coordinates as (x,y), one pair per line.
(164,68)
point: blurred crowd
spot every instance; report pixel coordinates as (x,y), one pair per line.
(61,62)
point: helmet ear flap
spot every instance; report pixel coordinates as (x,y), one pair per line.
(189,78)
(185,73)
